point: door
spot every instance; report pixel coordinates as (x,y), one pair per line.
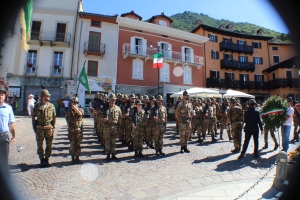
(35,30)
(229,77)
(94,42)
(244,80)
(60,32)
(289,78)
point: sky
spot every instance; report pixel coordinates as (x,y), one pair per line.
(258,12)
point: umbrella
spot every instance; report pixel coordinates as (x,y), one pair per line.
(235,93)
(198,92)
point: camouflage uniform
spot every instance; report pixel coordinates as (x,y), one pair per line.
(266,130)
(196,124)
(75,130)
(128,125)
(217,106)
(209,120)
(149,125)
(122,126)
(44,123)
(235,115)
(223,115)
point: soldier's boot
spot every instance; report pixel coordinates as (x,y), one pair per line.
(161,153)
(235,150)
(78,160)
(123,142)
(221,135)
(130,147)
(148,145)
(181,149)
(108,157)
(42,162)
(213,139)
(136,153)
(113,156)
(73,158)
(151,145)
(157,154)
(47,164)
(141,154)
(266,146)
(186,149)
(276,146)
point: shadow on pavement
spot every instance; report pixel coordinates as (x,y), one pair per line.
(23,167)
(212,158)
(270,193)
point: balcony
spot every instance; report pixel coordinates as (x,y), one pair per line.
(284,82)
(52,37)
(56,70)
(229,46)
(97,49)
(236,65)
(236,84)
(140,51)
(30,70)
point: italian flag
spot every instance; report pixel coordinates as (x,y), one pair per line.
(274,111)
(158,60)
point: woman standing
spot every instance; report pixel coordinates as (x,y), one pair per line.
(30,104)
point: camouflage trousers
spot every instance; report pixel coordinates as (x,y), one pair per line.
(296,127)
(184,132)
(122,131)
(223,124)
(96,122)
(149,132)
(41,135)
(138,135)
(158,135)
(196,126)
(75,137)
(217,120)
(236,132)
(208,125)
(101,132)
(110,133)
(266,130)
(128,129)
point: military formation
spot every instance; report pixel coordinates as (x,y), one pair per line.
(138,120)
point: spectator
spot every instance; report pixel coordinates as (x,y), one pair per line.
(287,125)
(58,106)
(14,103)
(66,104)
(30,104)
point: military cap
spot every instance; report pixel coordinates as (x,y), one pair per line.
(146,97)
(125,96)
(232,100)
(200,99)
(225,100)
(289,99)
(138,102)
(159,97)
(152,98)
(112,96)
(132,96)
(194,100)
(2,88)
(141,97)
(185,93)
(252,102)
(208,100)
(121,96)
(217,99)
(45,92)
(75,99)
(105,95)
(179,98)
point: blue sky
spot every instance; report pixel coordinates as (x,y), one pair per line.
(259,12)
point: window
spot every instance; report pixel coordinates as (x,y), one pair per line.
(244,80)
(35,30)
(60,32)
(31,62)
(241,42)
(229,76)
(95,23)
(227,57)
(187,75)
(214,54)
(256,45)
(138,46)
(258,60)
(213,38)
(92,69)
(187,54)
(227,40)
(259,78)
(274,76)
(214,74)
(275,48)
(57,63)
(165,73)
(162,22)
(166,48)
(137,69)
(288,74)
(276,59)
(243,59)
(94,42)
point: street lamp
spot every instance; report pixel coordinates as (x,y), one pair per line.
(222,92)
(159,50)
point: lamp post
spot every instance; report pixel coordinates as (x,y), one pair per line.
(222,92)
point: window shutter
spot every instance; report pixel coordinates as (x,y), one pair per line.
(212,54)
(144,46)
(218,74)
(261,60)
(170,52)
(182,54)
(245,43)
(246,58)
(230,40)
(253,44)
(192,56)
(254,60)
(217,55)
(231,57)
(259,45)
(262,78)
(216,38)
(132,45)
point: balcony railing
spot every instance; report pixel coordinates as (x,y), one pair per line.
(94,48)
(229,46)
(236,65)
(172,56)
(31,71)
(51,36)
(284,82)
(236,84)
(56,70)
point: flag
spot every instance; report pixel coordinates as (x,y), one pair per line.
(25,20)
(298,107)
(158,60)
(83,79)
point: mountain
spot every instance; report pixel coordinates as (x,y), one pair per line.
(186,21)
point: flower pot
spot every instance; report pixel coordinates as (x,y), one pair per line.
(29,64)
(56,66)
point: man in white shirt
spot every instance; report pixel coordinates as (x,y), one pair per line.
(287,125)
(66,103)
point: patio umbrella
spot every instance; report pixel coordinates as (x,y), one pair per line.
(199,92)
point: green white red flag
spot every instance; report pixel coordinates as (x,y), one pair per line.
(158,60)
(275,111)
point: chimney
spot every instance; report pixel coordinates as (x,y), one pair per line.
(273,39)
(163,13)
(221,27)
(259,32)
(229,27)
(198,22)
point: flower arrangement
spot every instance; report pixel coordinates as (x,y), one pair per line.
(29,64)
(56,66)
(294,156)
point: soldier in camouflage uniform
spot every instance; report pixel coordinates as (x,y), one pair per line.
(128,125)
(197,118)
(183,114)
(236,117)
(223,115)
(149,123)
(43,122)
(217,105)
(160,115)
(209,119)
(138,122)
(112,119)
(75,128)
(178,101)
(122,126)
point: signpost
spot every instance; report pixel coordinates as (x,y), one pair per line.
(222,92)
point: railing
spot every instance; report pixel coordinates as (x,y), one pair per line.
(142,51)
(56,70)
(94,47)
(236,84)
(32,71)
(284,82)
(229,46)
(50,36)
(236,65)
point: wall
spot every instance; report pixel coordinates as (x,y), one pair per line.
(285,51)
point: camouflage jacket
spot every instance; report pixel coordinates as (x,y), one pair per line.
(73,119)
(44,113)
(159,112)
(139,118)
(224,110)
(113,114)
(198,111)
(184,112)
(235,114)
(210,111)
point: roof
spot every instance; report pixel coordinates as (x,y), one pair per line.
(162,15)
(281,43)
(230,33)
(131,13)
(288,63)
(97,15)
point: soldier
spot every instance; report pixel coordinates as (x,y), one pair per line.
(75,128)
(197,118)
(149,123)
(223,115)
(235,116)
(123,108)
(138,128)
(160,116)
(296,118)
(178,101)
(128,126)
(112,119)
(43,123)
(266,131)
(183,114)
(145,101)
(217,105)
(209,119)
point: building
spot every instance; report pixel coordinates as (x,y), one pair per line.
(138,42)
(238,61)
(50,58)
(97,44)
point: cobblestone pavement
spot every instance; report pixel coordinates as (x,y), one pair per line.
(151,177)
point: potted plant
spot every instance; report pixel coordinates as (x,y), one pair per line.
(294,161)
(56,66)
(29,64)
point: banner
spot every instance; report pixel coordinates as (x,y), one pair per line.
(101,84)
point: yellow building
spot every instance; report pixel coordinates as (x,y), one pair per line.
(246,62)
